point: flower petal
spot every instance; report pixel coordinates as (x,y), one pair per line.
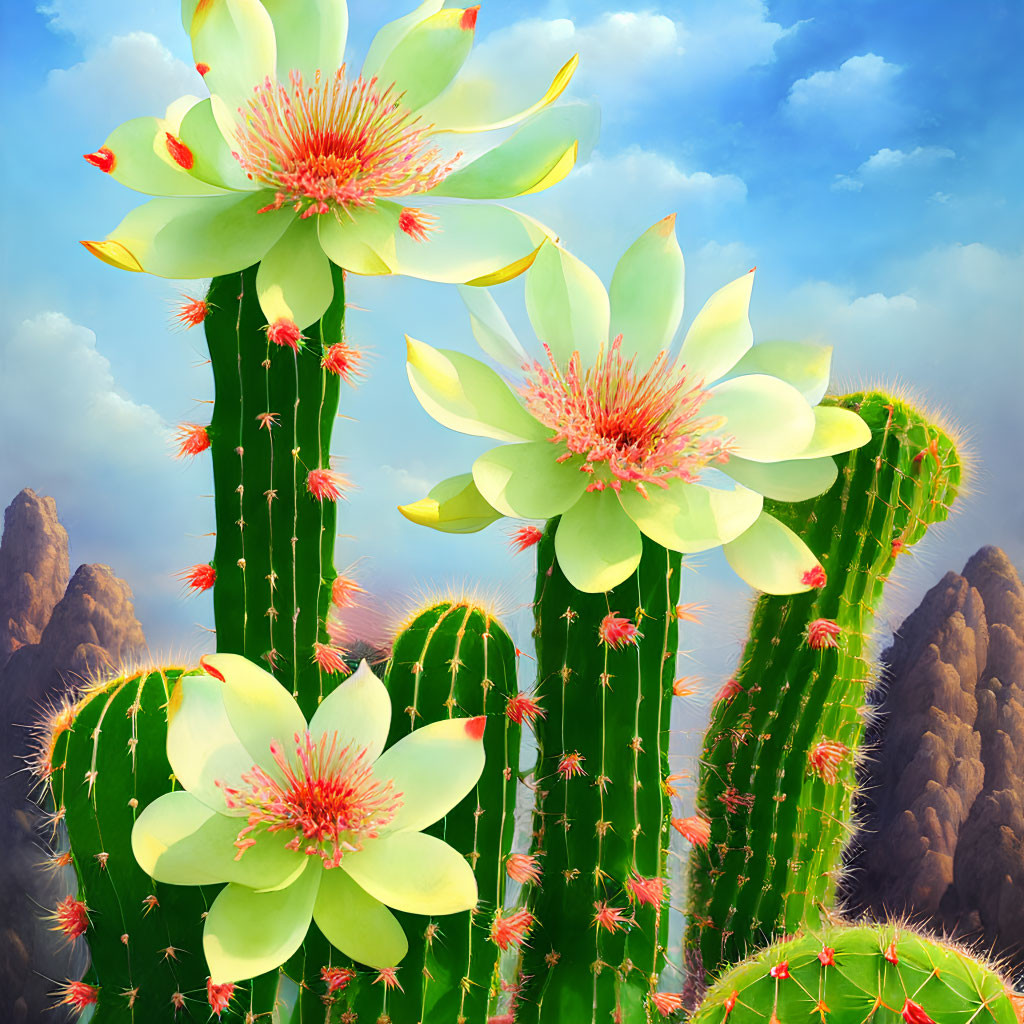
(249,932)
(178,840)
(214,162)
(358,711)
(433,768)
(691,517)
(427,58)
(413,872)
(235,40)
(391,34)
(464,394)
(194,237)
(720,333)
(771,557)
(470,243)
(804,366)
(525,481)
(294,279)
(835,430)
(361,239)
(469,104)
(597,544)
(258,707)
(143,160)
(767,419)
(793,480)
(491,329)
(310,35)
(453,506)
(536,157)
(567,305)
(202,747)
(357,924)
(647,292)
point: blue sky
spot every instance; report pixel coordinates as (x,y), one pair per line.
(864,156)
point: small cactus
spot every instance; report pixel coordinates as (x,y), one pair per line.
(885,974)
(453,658)
(107,762)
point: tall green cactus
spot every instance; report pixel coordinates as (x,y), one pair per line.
(777,765)
(453,658)
(107,762)
(271,427)
(602,816)
(886,974)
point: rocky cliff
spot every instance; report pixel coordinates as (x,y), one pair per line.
(942,798)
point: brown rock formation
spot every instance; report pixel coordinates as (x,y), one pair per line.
(941,810)
(33,570)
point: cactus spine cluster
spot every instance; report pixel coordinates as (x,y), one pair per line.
(271,427)
(453,658)
(777,765)
(108,761)
(602,814)
(886,974)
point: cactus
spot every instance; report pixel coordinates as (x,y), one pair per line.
(602,817)
(777,766)
(271,428)
(886,974)
(107,761)
(454,658)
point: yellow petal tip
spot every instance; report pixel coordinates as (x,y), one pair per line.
(425,512)
(114,253)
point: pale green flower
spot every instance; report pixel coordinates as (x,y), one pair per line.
(306,822)
(620,439)
(297,162)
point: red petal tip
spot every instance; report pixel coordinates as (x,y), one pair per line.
(209,669)
(475,727)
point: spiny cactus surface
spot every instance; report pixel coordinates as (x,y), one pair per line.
(145,939)
(777,765)
(271,428)
(605,666)
(882,974)
(453,658)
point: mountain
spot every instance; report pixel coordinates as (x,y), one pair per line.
(941,804)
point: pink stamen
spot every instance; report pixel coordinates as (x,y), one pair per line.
(524,708)
(815,577)
(618,632)
(638,429)
(571,765)
(345,591)
(822,633)
(78,995)
(72,918)
(286,333)
(524,537)
(198,577)
(336,977)
(219,996)
(667,1003)
(336,144)
(191,440)
(511,929)
(326,484)
(611,919)
(416,224)
(331,659)
(388,976)
(646,890)
(329,799)
(191,311)
(695,830)
(345,361)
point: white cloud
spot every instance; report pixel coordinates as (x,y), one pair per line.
(129,76)
(857,80)
(884,165)
(93,22)
(894,159)
(855,101)
(622,53)
(612,198)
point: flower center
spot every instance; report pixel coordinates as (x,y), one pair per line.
(629,427)
(329,799)
(335,144)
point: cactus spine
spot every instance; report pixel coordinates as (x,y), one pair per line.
(887,974)
(777,766)
(602,815)
(107,762)
(271,426)
(453,659)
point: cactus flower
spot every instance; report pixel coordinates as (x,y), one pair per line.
(619,438)
(306,821)
(297,160)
